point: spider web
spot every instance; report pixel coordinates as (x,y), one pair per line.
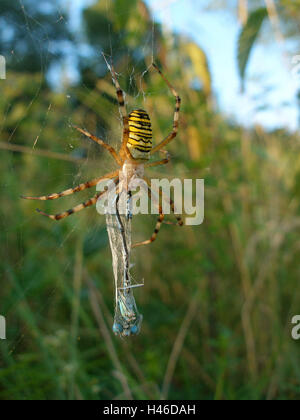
(21,293)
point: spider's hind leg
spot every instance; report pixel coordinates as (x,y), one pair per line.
(78,208)
(157,226)
(168,200)
(75,209)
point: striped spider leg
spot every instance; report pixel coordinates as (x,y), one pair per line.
(160,219)
(169,201)
(174,131)
(124,152)
(70,191)
(158,223)
(106,146)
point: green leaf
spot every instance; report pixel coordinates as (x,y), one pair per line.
(247,38)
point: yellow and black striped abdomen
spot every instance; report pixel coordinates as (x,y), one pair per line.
(140,134)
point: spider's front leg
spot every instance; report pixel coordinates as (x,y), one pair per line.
(106,146)
(122,106)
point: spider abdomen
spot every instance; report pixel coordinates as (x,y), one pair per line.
(140,134)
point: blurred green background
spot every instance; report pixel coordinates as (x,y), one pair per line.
(218,298)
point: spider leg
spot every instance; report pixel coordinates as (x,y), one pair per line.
(75,209)
(159,162)
(157,226)
(101,143)
(173,133)
(180,222)
(70,191)
(121,102)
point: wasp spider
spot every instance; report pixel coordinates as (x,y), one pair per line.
(136,149)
